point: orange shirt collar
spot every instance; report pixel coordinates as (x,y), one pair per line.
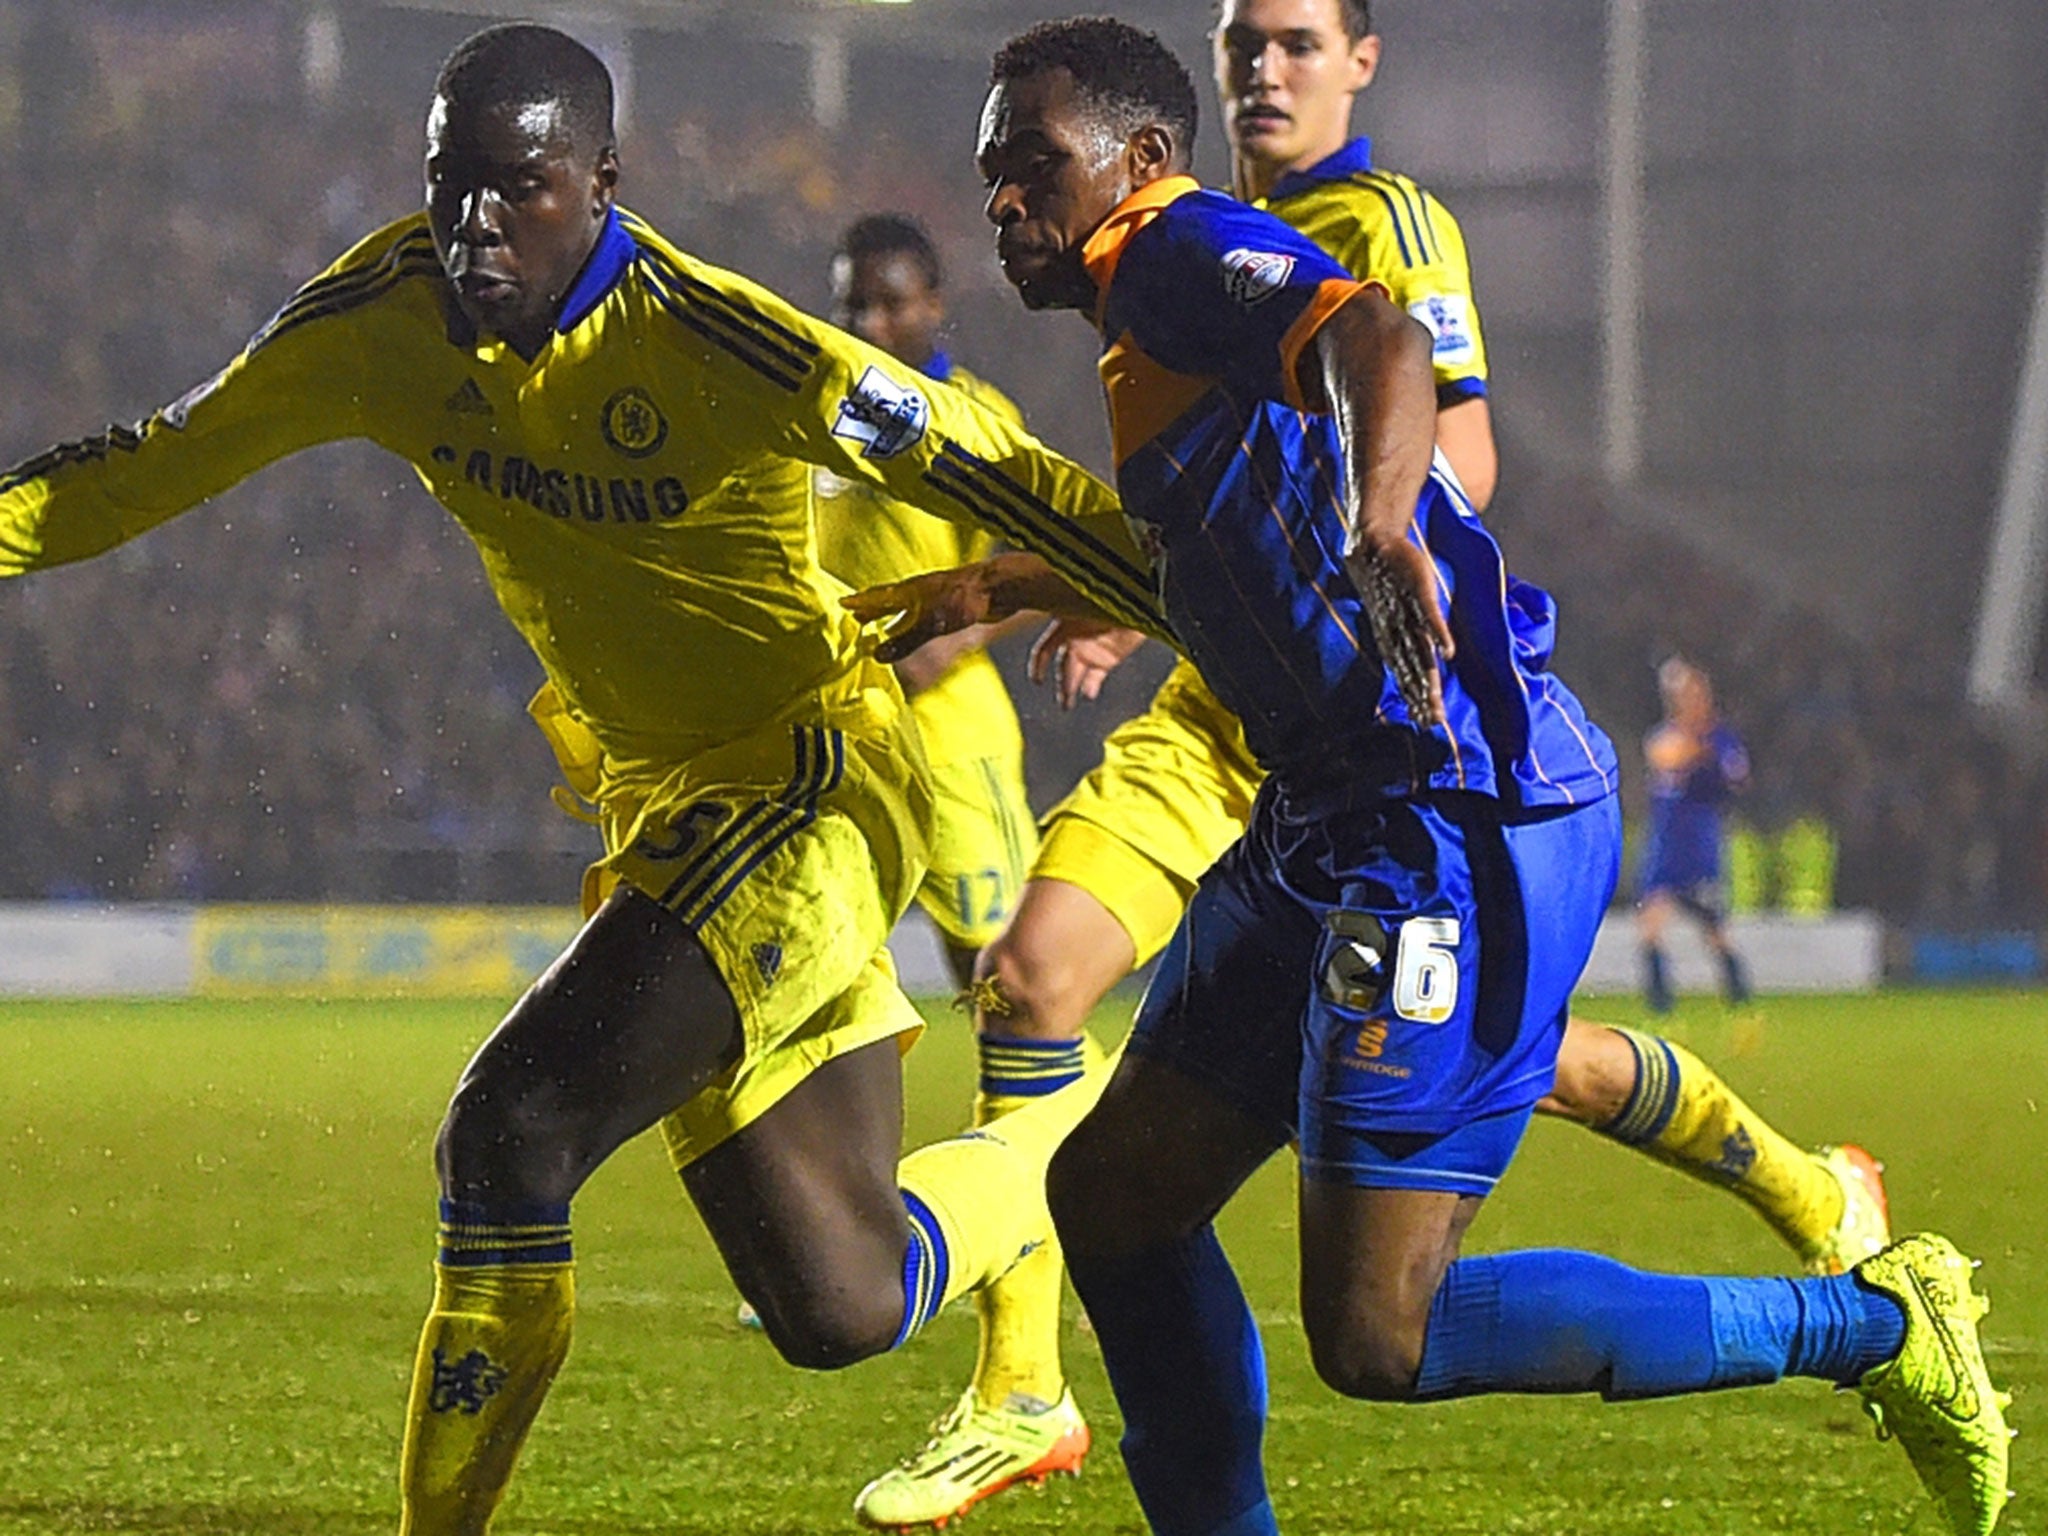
(1105,248)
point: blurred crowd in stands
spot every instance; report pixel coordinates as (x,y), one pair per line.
(303,691)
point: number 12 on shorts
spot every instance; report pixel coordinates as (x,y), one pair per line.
(1426,969)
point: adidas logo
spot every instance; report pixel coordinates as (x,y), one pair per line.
(469,400)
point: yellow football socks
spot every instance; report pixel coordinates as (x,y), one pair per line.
(497,1334)
(1020,1312)
(977,1205)
(1685,1116)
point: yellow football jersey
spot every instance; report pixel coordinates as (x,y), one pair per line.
(865,539)
(634,489)
(1385,229)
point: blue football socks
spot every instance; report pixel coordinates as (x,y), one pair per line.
(1656,980)
(1551,1320)
(1734,979)
(1190,1376)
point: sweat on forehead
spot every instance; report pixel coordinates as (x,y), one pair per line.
(1029,110)
(539,122)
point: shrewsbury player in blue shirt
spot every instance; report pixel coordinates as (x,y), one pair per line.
(1379,971)
(1696,765)
(1122,852)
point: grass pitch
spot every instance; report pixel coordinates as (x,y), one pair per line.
(216,1227)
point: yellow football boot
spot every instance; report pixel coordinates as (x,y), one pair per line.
(975,1452)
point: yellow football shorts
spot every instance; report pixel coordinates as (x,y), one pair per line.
(1173,790)
(983,839)
(789,854)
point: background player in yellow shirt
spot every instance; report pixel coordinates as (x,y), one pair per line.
(625,434)
(888,288)
(1121,855)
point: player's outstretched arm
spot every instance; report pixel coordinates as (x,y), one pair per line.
(788,383)
(1368,365)
(297,383)
(938,448)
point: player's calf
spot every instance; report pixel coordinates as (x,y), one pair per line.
(1596,1075)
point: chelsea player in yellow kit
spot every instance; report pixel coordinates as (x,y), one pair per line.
(1121,854)
(625,432)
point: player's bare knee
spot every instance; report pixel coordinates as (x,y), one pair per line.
(1375,1360)
(1096,1207)
(500,1145)
(821,1329)
(1029,992)
(1076,1193)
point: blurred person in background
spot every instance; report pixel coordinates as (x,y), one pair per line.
(888,289)
(1121,855)
(1696,764)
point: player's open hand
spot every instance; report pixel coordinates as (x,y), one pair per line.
(1081,653)
(1399,584)
(923,608)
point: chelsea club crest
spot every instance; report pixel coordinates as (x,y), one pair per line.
(633,424)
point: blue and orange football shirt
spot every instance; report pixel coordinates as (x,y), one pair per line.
(1235,492)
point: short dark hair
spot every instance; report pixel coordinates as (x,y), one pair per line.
(893,234)
(1131,76)
(1356,15)
(522,62)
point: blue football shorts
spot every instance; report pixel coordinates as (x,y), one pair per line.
(1388,987)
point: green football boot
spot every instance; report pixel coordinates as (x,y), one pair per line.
(1935,1396)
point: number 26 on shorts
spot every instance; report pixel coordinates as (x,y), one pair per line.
(1426,969)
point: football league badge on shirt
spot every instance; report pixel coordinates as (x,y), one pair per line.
(633,424)
(1251,277)
(1448,317)
(884,417)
